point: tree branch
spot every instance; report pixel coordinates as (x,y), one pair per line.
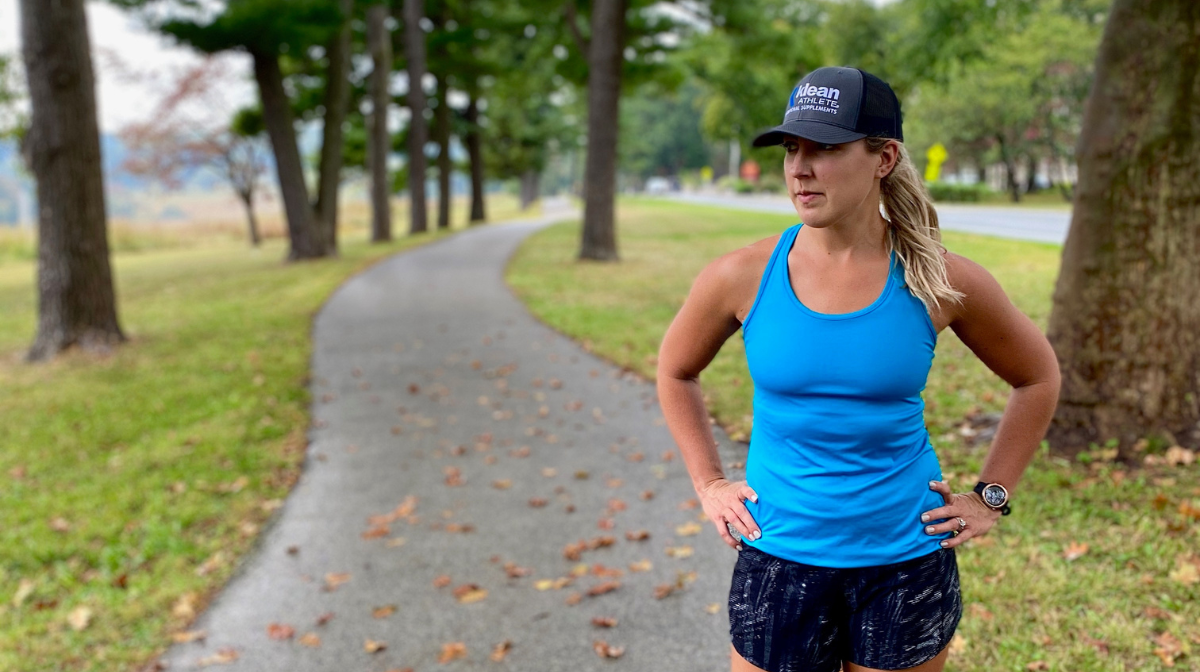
(569,13)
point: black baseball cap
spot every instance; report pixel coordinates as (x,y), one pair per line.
(835,105)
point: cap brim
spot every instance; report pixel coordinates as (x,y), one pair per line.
(807,129)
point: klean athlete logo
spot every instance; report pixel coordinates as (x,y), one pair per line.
(817,98)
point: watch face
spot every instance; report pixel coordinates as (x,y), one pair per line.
(994,496)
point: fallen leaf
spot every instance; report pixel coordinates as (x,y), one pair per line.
(310,639)
(688,529)
(605,650)
(713,608)
(604,621)
(80,617)
(1178,455)
(1074,550)
(451,651)
(680,551)
(1037,665)
(324,618)
(372,646)
(333,580)
(188,636)
(500,650)
(221,657)
(24,590)
(1185,572)
(602,588)
(384,611)
(958,644)
(640,566)
(469,592)
(280,631)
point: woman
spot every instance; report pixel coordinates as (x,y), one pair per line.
(845,530)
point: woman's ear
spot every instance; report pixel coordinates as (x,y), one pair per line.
(888,156)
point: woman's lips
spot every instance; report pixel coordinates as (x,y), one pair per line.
(808,197)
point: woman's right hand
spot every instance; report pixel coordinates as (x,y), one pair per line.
(724,504)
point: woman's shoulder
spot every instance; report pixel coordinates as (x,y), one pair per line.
(735,276)
(971,278)
(744,265)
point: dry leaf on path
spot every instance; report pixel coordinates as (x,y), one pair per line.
(221,657)
(310,639)
(500,650)
(1074,550)
(605,650)
(280,631)
(451,651)
(372,646)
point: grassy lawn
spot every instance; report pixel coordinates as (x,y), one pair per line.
(131,484)
(1097,567)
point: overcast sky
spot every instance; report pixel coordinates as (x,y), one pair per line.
(117,33)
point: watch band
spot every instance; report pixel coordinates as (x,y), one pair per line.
(1004,510)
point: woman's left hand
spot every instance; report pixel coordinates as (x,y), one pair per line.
(968,506)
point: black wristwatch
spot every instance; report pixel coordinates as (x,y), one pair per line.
(995,496)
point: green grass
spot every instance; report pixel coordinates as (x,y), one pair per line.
(163,459)
(1025,602)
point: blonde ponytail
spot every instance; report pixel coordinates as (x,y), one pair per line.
(913,230)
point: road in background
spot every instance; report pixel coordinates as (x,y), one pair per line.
(1043,226)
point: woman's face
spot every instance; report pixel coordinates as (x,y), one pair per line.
(828,183)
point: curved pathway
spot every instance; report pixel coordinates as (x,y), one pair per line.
(443,407)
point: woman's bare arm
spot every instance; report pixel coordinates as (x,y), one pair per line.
(706,320)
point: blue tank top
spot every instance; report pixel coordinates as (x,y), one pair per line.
(839,453)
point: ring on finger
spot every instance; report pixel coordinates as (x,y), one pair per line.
(962,524)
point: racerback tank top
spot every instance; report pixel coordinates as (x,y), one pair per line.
(839,453)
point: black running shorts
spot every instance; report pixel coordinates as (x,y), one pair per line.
(787,616)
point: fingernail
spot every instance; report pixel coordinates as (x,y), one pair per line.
(754,498)
(924,517)
(739,547)
(932,483)
(945,543)
(929,529)
(756,534)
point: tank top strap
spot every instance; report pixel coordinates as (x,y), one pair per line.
(785,243)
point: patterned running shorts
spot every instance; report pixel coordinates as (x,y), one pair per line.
(787,616)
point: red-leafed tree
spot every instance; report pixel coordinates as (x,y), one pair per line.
(193,128)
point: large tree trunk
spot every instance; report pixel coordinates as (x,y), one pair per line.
(475,153)
(418,134)
(442,137)
(277,116)
(605,51)
(337,99)
(379,143)
(1126,317)
(76,301)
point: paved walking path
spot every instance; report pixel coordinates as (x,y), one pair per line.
(427,371)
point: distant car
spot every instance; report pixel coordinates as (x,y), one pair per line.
(658,185)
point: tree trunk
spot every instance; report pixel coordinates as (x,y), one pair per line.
(529,188)
(441,127)
(76,301)
(418,134)
(251,220)
(1010,170)
(1031,176)
(1125,322)
(277,116)
(475,153)
(379,143)
(337,100)
(605,56)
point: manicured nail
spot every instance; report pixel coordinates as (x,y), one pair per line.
(932,483)
(754,498)
(924,517)
(929,529)
(945,543)
(756,535)
(739,547)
